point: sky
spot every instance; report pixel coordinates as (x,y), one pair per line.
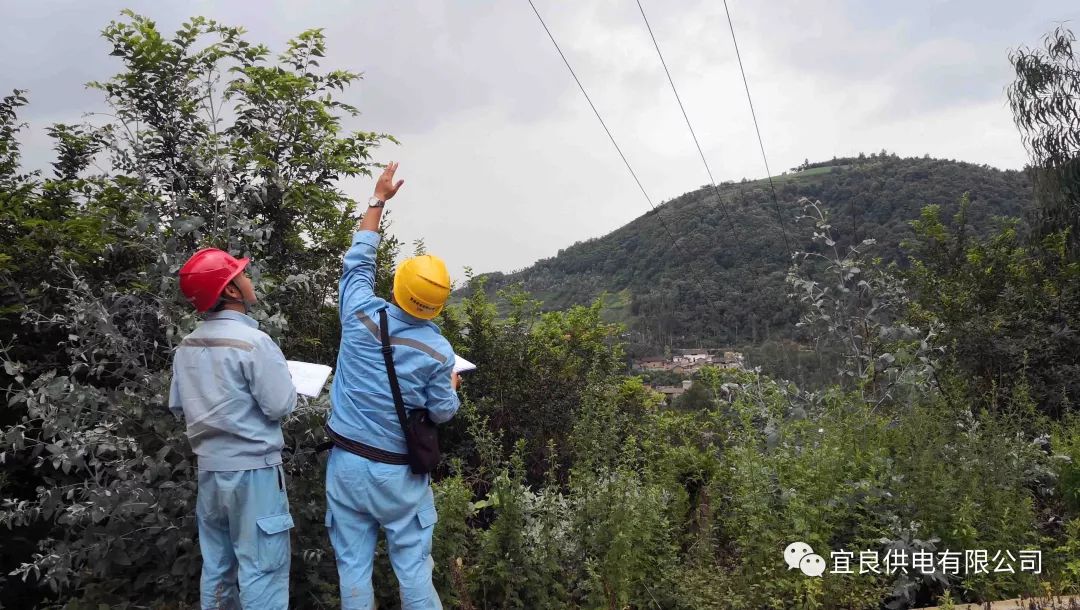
(503,160)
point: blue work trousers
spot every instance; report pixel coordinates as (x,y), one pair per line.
(363,495)
(244,525)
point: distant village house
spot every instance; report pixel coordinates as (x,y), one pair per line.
(686,362)
(671,392)
(690,361)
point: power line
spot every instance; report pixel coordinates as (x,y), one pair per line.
(708,171)
(591,105)
(659,218)
(606,130)
(761,144)
(712,181)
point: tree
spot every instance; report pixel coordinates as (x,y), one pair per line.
(1045,100)
(1008,302)
(1006,308)
(208,141)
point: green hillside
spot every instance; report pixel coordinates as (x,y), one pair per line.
(721,281)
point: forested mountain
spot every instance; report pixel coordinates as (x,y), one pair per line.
(721,280)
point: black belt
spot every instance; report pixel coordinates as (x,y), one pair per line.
(356,447)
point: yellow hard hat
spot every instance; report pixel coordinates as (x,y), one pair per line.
(422,285)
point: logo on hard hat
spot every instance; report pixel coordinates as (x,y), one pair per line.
(413,300)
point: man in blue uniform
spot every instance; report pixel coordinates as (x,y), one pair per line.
(364,493)
(232,387)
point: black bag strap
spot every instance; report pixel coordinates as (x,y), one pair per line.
(388,357)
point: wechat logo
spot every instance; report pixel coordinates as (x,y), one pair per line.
(800,555)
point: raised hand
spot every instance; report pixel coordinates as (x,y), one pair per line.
(385,188)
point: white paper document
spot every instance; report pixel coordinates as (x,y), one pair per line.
(309,378)
(462,365)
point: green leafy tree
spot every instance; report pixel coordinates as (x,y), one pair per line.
(209,141)
(855,306)
(1006,308)
(1045,100)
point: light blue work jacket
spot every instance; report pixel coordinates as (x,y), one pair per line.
(363,407)
(232,386)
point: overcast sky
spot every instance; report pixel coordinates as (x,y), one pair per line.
(504,162)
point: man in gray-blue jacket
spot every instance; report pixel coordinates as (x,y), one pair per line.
(231,385)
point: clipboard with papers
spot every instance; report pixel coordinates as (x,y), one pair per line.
(309,378)
(462,365)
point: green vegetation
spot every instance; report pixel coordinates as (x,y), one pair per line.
(949,420)
(744,300)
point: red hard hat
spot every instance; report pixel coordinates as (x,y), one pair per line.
(206,274)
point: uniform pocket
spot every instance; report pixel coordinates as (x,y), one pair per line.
(427,517)
(273,542)
(385,476)
(329,518)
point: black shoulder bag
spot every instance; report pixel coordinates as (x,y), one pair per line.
(421,437)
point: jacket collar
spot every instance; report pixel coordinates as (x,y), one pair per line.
(405,316)
(235,316)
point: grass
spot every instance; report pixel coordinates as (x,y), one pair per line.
(816,171)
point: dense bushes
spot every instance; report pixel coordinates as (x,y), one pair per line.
(690,510)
